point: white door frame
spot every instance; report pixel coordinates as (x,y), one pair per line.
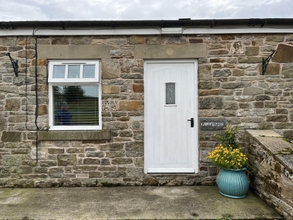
(195,114)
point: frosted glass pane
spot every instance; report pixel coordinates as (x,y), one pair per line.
(59,71)
(73,71)
(89,71)
(170,93)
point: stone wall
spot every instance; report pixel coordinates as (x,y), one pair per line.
(231,88)
(271,169)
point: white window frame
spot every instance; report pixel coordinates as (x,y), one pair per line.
(73,81)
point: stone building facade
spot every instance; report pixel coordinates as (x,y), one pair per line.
(231,88)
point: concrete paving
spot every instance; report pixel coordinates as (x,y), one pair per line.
(180,202)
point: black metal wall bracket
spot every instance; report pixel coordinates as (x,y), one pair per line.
(14,64)
(266,61)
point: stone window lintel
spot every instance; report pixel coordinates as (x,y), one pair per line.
(74,135)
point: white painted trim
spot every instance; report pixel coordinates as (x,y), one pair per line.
(88,81)
(144,31)
(170,170)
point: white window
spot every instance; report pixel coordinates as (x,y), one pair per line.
(74,95)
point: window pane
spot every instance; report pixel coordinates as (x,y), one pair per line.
(59,71)
(73,71)
(170,93)
(76,105)
(89,71)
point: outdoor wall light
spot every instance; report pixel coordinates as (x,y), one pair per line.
(14,64)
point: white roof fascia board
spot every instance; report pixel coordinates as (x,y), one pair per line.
(236,30)
(81,32)
(146,31)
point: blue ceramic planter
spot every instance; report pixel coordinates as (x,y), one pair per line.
(233,183)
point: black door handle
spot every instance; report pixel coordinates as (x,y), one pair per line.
(191,122)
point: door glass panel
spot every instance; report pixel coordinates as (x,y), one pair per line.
(170,93)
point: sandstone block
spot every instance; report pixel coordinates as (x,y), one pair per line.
(150,181)
(95,175)
(12,160)
(84,168)
(289,134)
(20,151)
(277,118)
(105,162)
(232,85)
(24,170)
(40,170)
(4,172)
(2,123)
(74,150)
(205,72)
(10,136)
(12,105)
(112,147)
(262,97)
(138,88)
(65,160)
(111,89)
(211,103)
(48,163)
(275,38)
(60,41)
(136,39)
(117,174)
(110,69)
(273,69)
(252,51)
(205,85)
(57,172)
(91,161)
(134,149)
(94,154)
(217,60)
(258,104)
(245,59)
(283,125)
(287,70)
(227,37)
(253,91)
(281,111)
(222,73)
(55,150)
(130,105)
(121,161)
(218,52)
(271,104)
(284,54)
(212,92)
(195,41)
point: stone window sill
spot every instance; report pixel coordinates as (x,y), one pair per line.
(74,135)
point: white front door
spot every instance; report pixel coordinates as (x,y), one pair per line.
(171,127)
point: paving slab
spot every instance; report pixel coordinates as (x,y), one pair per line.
(143,202)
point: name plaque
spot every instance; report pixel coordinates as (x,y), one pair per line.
(211,124)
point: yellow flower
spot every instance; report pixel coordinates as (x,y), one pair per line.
(227,157)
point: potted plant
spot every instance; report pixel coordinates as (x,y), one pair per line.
(232,180)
